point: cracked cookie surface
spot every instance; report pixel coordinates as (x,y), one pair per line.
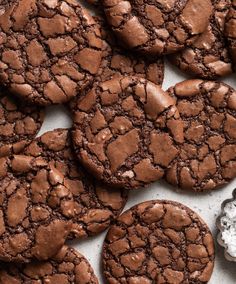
(4,4)
(19,123)
(50,50)
(230,29)
(126,130)
(117,61)
(67,267)
(208,155)
(158,242)
(96,204)
(208,57)
(35,209)
(157,27)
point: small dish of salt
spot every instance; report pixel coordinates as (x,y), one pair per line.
(226,223)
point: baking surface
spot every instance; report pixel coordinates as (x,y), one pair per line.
(206,205)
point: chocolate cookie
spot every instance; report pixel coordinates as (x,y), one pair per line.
(208,57)
(49,50)
(158,242)
(35,206)
(96,205)
(19,123)
(97,3)
(4,4)
(207,157)
(230,29)
(126,131)
(117,61)
(67,267)
(158,27)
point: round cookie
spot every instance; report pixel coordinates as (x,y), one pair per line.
(207,156)
(126,131)
(208,57)
(35,209)
(19,123)
(230,30)
(117,61)
(159,27)
(50,50)
(158,242)
(96,205)
(67,267)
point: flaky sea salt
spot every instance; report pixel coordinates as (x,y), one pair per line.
(228,223)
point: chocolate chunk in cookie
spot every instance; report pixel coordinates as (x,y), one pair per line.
(126,131)
(207,156)
(67,267)
(208,57)
(158,242)
(49,50)
(230,30)
(35,209)
(96,205)
(19,123)
(158,27)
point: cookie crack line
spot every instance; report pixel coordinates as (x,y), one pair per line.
(117,125)
(127,133)
(207,156)
(149,250)
(95,204)
(208,57)
(59,71)
(157,28)
(68,266)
